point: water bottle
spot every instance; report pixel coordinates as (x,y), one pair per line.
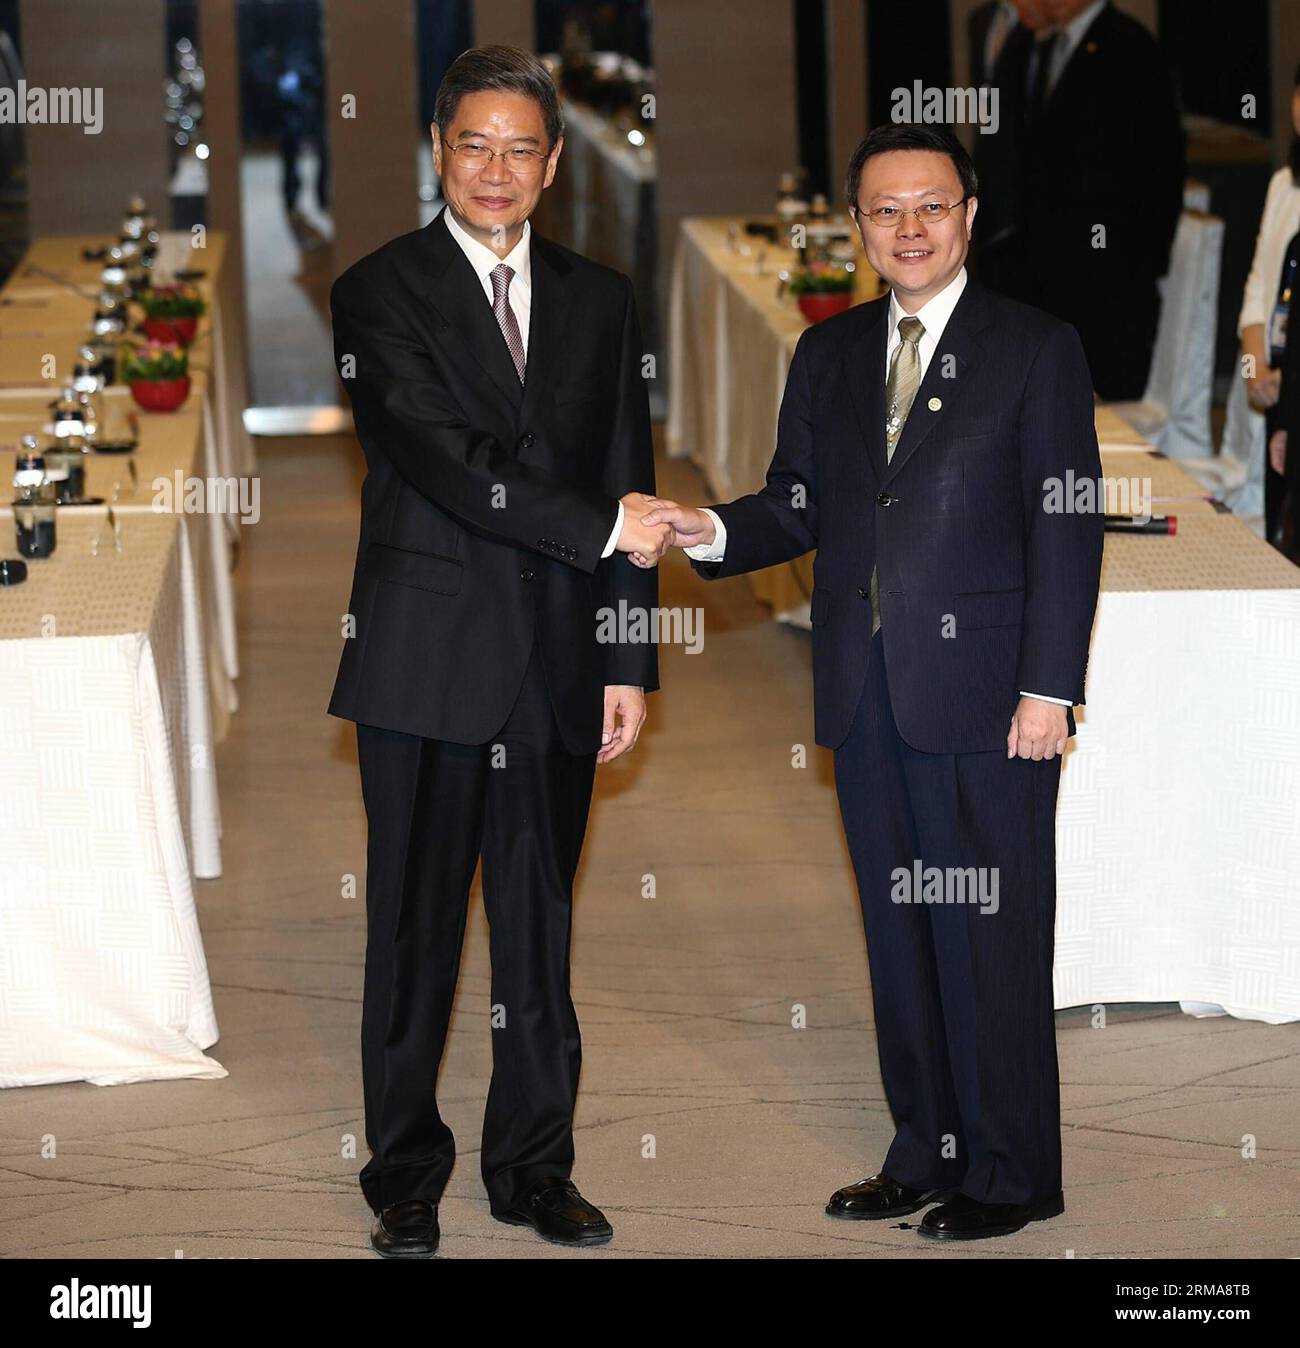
(69,418)
(34,506)
(65,469)
(88,372)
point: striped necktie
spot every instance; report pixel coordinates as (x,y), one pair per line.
(501,277)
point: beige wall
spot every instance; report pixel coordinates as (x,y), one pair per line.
(847,102)
(370,54)
(725,110)
(512,22)
(80,183)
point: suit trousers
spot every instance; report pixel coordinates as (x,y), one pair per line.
(433,807)
(962,990)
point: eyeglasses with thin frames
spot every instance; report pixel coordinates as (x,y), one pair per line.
(519,159)
(927,213)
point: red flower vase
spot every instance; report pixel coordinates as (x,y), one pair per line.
(160,395)
(814,307)
(179,330)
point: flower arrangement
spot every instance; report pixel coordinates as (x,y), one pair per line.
(172,312)
(158,374)
(155,361)
(822,278)
(822,289)
(174,301)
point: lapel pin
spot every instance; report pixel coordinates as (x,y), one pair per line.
(935,404)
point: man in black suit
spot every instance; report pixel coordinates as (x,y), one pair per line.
(1091,120)
(996,256)
(923,443)
(496,385)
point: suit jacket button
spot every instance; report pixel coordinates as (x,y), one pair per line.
(526,574)
(863,592)
(526,440)
(884,499)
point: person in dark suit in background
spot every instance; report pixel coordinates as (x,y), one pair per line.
(496,384)
(923,441)
(995,256)
(987,31)
(1092,127)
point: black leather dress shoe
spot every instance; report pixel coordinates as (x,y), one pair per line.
(407,1230)
(966,1218)
(879,1197)
(558,1212)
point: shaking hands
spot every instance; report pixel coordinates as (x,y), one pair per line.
(652,525)
(645,543)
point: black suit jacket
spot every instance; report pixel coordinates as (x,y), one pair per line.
(983,593)
(1109,150)
(487,503)
(1094,158)
(997,156)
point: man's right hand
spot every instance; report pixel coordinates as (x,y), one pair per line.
(689,526)
(646,542)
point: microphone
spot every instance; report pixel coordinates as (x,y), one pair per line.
(1138,524)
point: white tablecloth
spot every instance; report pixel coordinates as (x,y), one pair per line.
(1178,825)
(46,305)
(110,798)
(116,678)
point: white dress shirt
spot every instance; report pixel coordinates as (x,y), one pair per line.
(934,315)
(484,261)
(519,296)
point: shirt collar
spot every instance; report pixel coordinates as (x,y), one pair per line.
(483,259)
(935,312)
(1079,25)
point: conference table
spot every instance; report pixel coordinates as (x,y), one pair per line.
(1178,823)
(118,662)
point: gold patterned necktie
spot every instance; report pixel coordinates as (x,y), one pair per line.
(900,392)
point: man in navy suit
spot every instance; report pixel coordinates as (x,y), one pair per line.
(926,444)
